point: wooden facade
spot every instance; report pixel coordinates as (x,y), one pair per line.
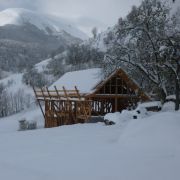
(115,93)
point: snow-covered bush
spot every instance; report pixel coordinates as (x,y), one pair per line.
(23,125)
(32,125)
(27,125)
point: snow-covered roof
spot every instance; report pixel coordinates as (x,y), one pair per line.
(84,80)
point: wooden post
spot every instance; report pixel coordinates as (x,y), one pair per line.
(46,104)
(116,104)
(53,110)
(77,92)
(110,86)
(59,97)
(116,100)
(39,102)
(68,109)
(122,89)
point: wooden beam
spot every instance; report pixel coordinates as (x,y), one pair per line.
(77,92)
(107,96)
(39,102)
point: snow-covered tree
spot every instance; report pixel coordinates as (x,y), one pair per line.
(170,52)
(139,41)
(94,32)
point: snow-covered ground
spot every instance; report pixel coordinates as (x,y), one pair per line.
(134,149)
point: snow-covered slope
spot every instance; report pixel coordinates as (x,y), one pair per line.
(100,41)
(50,24)
(14,82)
(140,149)
(15,96)
(42,66)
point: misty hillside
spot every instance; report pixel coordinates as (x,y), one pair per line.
(27,37)
(48,23)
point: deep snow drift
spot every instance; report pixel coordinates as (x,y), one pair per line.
(137,149)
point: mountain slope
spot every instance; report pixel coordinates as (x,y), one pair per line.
(48,23)
(27,37)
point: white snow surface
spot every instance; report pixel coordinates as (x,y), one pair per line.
(85,80)
(42,66)
(14,82)
(126,115)
(150,104)
(137,149)
(171,97)
(168,106)
(18,16)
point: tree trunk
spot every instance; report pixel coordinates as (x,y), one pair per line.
(162,95)
(177,95)
(177,87)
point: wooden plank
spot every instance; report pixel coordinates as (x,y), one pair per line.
(109,96)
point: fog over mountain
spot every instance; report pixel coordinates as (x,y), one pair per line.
(85,14)
(27,37)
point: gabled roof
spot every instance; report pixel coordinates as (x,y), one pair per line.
(91,80)
(84,80)
(121,73)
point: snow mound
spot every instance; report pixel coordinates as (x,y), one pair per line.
(150,104)
(171,97)
(126,115)
(48,23)
(168,107)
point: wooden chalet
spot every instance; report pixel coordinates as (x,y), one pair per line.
(78,95)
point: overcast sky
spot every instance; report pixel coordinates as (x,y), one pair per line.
(86,13)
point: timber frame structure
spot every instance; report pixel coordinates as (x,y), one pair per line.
(115,93)
(63,107)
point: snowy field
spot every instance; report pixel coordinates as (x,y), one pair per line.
(134,149)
